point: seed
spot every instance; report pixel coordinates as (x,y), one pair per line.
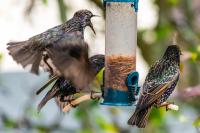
(116,70)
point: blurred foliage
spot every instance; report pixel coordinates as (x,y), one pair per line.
(45,2)
(62,8)
(197,122)
(1,56)
(179,17)
(174,17)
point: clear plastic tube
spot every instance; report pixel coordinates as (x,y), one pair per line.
(121,42)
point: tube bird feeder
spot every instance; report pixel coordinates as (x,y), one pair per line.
(120,77)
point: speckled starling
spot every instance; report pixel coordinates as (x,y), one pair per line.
(57,48)
(159,84)
(63,90)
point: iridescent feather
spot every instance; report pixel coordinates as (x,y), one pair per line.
(159,84)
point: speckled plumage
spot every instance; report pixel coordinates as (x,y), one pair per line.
(159,84)
(62,49)
(63,90)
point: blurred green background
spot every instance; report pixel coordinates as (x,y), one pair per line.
(164,19)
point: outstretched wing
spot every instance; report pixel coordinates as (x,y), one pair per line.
(62,89)
(72,61)
(25,53)
(30,52)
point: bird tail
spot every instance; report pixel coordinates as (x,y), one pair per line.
(46,84)
(50,94)
(140,118)
(22,53)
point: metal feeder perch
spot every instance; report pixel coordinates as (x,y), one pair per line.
(120,77)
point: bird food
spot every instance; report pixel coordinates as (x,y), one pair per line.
(116,70)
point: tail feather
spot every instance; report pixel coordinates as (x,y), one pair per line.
(46,85)
(23,54)
(140,118)
(50,94)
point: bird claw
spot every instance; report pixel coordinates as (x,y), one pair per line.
(167,108)
(72,105)
(92,96)
(165,104)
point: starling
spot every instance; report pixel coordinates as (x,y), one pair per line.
(63,90)
(159,84)
(57,48)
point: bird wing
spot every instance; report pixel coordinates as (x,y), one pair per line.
(97,62)
(24,53)
(152,91)
(63,90)
(71,59)
(30,52)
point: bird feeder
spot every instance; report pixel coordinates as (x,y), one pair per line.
(120,77)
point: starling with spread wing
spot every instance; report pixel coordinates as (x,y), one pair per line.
(159,84)
(58,47)
(63,90)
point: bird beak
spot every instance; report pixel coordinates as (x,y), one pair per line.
(96,16)
(91,26)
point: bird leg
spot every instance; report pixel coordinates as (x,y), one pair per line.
(65,99)
(62,99)
(69,100)
(165,104)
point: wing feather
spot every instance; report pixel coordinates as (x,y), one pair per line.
(148,98)
(71,59)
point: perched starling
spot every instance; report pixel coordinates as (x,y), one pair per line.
(159,84)
(63,90)
(57,48)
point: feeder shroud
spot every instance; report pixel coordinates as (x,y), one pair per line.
(121,79)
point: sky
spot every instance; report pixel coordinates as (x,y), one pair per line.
(14,26)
